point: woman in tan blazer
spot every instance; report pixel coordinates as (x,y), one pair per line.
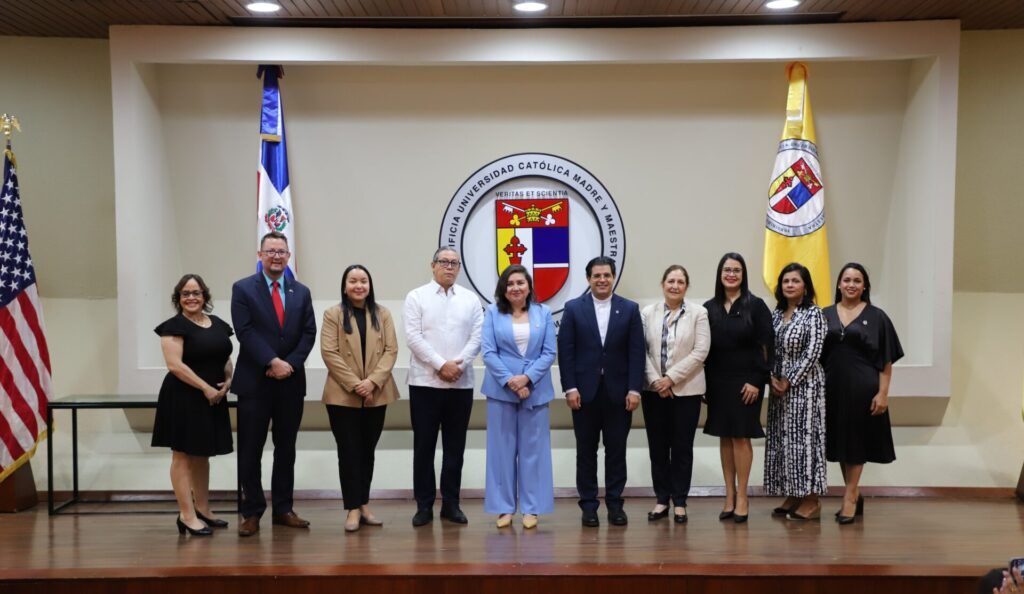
(359,347)
(678,339)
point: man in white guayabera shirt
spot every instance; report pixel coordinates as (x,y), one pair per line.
(442,329)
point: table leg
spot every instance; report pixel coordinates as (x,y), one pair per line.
(74,454)
(49,461)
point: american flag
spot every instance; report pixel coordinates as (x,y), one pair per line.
(25,386)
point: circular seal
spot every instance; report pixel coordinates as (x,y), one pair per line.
(796,196)
(542,211)
(277,218)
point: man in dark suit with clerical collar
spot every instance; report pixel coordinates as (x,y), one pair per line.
(601,363)
(276,328)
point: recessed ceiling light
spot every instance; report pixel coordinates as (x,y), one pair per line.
(263,7)
(530,6)
(782,4)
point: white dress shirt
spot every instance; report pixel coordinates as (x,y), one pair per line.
(442,326)
(603,311)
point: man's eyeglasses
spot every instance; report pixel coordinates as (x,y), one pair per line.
(275,253)
(448,263)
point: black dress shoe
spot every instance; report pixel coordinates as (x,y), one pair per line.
(211,523)
(726,515)
(590,520)
(423,517)
(653,516)
(680,518)
(617,517)
(740,519)
(452,513)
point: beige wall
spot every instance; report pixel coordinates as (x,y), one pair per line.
(65,153)
(990,152)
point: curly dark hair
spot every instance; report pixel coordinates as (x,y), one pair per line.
(176,295)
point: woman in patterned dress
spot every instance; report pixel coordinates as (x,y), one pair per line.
(794,464)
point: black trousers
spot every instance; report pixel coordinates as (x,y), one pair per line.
(356,431)
(671,424)
(607,417)
(447,410)
(255,415)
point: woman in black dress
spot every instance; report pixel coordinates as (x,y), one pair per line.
(860,347)
(191,413)
(742,347)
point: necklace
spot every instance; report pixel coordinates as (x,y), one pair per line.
(203,322)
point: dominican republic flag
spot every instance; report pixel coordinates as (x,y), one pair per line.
(273,196)
(25,387)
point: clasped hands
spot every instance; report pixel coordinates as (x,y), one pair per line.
(216,394)
(520,384)
(364,389)
(279,369)
(451,371)
(663,386)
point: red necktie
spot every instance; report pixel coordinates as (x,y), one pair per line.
(275,296)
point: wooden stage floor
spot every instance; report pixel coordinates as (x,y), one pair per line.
(904,544)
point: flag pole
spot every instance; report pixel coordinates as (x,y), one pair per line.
(18,488)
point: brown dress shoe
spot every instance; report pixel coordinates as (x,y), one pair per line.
(291,520)
(249,526)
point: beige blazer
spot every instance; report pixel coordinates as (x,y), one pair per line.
(693,341)
(344,359)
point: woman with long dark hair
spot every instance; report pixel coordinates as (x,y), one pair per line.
(794,460)
(191,413)
(860,347)
(737,368)
(518,346)
(359,347)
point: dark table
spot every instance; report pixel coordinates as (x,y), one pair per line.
(77,402)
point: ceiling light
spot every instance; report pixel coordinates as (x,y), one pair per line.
(782,4)
(263,7)
(530,6)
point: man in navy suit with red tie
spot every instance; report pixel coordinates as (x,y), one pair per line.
(601,362)
(276,328)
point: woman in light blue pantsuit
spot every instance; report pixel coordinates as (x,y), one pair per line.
(518,343)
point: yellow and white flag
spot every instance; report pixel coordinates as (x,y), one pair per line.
(795,226)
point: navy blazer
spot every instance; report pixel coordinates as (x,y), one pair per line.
(582,359)
(261,337)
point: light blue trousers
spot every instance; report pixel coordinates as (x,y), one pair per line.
(518,459)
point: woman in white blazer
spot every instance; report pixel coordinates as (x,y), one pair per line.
(678,340)
(518,345)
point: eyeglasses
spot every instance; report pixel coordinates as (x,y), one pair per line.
(188,294)
(732,270)
(275,253)
(448,263)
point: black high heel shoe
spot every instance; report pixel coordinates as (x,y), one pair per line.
(182,527)
(653,516)
(209,522)
(859,510)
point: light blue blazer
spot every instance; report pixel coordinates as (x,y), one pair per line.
(502,359)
